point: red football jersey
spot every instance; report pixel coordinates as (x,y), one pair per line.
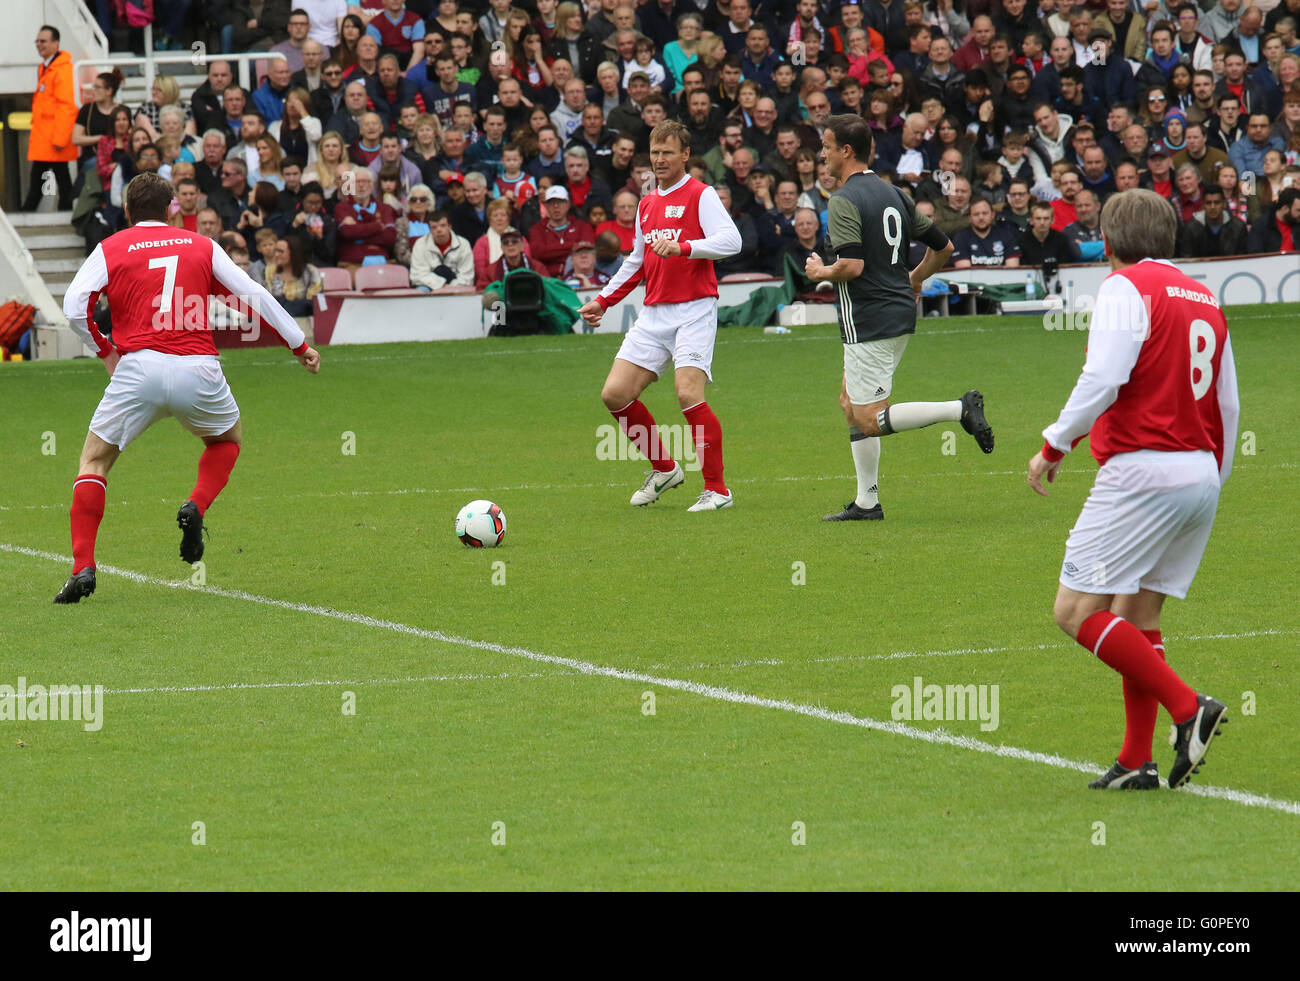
(675,215)
(1170,401)
(159,281)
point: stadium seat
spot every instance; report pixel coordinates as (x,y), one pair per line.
(387,277)
(335,280)
(750,277)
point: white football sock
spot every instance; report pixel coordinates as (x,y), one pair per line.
(866,462)
(917,415)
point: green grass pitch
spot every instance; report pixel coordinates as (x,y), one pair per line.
(225,709)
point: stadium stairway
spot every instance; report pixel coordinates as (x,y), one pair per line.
(57,249)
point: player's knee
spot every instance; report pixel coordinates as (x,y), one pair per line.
(1066,614)
(614,398)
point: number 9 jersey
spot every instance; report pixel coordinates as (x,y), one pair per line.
(871,220)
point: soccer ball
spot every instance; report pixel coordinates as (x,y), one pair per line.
(481,524)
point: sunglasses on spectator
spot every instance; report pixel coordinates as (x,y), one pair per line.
(1157,98)
(418,199)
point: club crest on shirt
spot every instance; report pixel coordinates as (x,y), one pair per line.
(674,210)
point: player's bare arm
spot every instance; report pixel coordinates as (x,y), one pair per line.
(840,271)
(931,264)
(1040,467)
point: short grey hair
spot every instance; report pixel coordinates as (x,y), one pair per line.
(475,178)
(576,151)
(214,134)
(1139,224)
(171,110)
(1183,168)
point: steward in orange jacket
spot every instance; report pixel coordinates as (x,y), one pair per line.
(54,112)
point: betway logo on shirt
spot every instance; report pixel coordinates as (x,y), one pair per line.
(157,243)
(655,234)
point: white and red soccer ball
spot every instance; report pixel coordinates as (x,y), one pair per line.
(481,524)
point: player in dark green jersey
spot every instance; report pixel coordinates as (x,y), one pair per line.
(871,225)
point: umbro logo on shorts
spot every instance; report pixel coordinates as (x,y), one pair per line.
(694,356)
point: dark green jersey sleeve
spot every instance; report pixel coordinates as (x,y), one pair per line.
(844,228)
(924,229)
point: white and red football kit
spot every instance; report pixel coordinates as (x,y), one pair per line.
(158,281)
(1158,400)
(680,316)
(679,320)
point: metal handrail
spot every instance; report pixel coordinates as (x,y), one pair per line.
(179,58)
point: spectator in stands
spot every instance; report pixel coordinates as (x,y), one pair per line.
(206,103)
(311,76)
(331,162)
(952,213)
(1187,198)
(367,63)
(390,155)
(95,119)
(291,279)
(488,249)
(1248,154)
(552,240)
(264,243)
(327,99)
(232,197)
(1041,243)
(1278,228)
(370,132)
(208,223)
(1069,182)
(485,155)
(1084,233)
(1160,168)
(584,190)
(582,272)
(315,227)
(623,224)
(367,229)
(1206,159)
(115,146)
(513,256)
(984,242)
(297,28)
(269,157)
(441,258)
(165,92)
(264,211)
(297,131)
(469,216)
(251,126)
(256,26)
(269,97)
(1212,231)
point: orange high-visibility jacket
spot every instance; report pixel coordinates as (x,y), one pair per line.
(54,112)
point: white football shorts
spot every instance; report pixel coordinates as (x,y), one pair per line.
(680,332)
(1145,524)
(869,368)
(148,385)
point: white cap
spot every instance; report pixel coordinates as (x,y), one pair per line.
(557,193)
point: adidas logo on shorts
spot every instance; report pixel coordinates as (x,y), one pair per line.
(880,391)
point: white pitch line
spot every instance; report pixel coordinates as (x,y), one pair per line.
(810,478)
(957,651)
(922,332)
(715,692)
(324,683)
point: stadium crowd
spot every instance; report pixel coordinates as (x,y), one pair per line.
(463,140)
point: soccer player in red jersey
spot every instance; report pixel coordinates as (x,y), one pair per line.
(680,228)
(1158,401)
(162,360)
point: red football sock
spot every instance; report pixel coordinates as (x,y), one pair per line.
(639,427)
(88,492)
(707,433)
(215,464)
(1139,715)
(1120,645)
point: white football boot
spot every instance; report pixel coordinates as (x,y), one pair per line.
(711,501)
(656,483)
